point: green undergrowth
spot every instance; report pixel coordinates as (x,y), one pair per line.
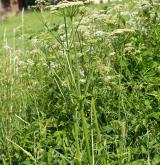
(86,91)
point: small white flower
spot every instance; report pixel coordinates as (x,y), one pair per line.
(112,54)
(61,28)
(82,28)
(86,34)
(34,40)
(99,34)
(82,81)
(82,73)
(125,13)
(19,62)
(53,64)
(108,78)
(30,62)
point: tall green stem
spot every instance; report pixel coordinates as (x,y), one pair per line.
(97,126)
(84,124)
(76,127)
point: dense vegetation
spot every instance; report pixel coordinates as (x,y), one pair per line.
(84,91)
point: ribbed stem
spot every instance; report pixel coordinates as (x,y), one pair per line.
(86,135)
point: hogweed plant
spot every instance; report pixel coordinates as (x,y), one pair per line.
(69,10)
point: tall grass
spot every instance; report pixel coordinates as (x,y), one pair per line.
(85,91)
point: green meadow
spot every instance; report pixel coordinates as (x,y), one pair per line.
(80,85)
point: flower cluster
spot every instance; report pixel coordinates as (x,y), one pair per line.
(121,32)
(66,4)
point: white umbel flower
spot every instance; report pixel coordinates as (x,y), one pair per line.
(66,4)
(121,31)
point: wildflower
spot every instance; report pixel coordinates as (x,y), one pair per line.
(82,28)
(82,81)
(34,40)
(53,64)
(61,27)
(99,34)
(68,4)
(82,73)
(30,62)
(112,54)
(19,62)
(86,34)
(69,9)
(108,78)
(85,21)
(56,45)
(128,48)
(121,31)
(125,13)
